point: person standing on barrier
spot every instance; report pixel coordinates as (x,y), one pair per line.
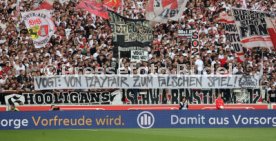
(219,103)
(184,104)
(13,108)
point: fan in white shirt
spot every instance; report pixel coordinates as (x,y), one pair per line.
(199,65)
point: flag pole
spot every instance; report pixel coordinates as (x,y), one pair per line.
(119,56)
(262,65)
(262,69)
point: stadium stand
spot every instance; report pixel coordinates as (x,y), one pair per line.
(84,40)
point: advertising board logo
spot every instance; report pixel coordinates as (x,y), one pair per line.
(145,119)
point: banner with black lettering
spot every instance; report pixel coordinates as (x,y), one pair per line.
(185,33)
(252,28)
(130,96)
(74,97)
(139,55)
(232,35)
(91,81)
(40,26)
(195,48)
(164,10)
(130,32)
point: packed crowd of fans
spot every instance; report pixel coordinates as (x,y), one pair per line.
(85,40)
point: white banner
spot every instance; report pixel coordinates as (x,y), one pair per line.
(252,28)
(185,33)
(139,55)
(144,81)
(232,34)
(40,26)
(164,10)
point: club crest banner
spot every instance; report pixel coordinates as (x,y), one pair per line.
(40,26)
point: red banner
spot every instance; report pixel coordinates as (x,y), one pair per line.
(94,7)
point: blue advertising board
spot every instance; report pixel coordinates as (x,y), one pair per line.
(137,119)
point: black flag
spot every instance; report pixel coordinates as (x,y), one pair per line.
(129,34)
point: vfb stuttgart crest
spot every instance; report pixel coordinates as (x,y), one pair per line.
(38,29)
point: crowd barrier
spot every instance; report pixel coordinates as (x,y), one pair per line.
(138,119)
(142,107)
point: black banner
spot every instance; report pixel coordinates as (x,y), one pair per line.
(132,96)
(174,96)
(73,98)
(130,32)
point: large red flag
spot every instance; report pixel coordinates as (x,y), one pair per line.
(150,6)
(112,3)
(94,7)
(47,4)
(173,4)
(271,28)
(225,18)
